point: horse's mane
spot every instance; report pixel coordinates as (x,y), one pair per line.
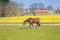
(27,19)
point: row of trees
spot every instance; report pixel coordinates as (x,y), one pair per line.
(35,6)
(8,8)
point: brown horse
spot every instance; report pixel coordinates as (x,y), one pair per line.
(31,21)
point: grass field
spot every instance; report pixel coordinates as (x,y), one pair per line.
(42,33)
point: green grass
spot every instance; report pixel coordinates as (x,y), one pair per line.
(42,33)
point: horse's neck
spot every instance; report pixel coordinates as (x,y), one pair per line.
(27,20)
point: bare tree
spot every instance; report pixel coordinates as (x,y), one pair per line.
(49,7)
(36,6)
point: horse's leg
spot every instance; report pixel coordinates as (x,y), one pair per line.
(31,24)
(38,24)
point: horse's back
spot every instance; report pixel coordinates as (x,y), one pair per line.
(34,20)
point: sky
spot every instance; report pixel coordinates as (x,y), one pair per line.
(27,3)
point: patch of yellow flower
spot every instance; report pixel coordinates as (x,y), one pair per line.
(43,18)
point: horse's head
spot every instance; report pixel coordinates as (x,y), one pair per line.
(27,20)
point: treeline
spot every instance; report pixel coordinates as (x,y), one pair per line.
(41,6)
(9,8)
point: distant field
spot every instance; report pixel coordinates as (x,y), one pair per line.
(22,33)
(20,19)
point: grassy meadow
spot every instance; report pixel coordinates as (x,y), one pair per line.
(22,33)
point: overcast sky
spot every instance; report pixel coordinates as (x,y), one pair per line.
(27,3)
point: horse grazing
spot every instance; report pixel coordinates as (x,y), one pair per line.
(31,21)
